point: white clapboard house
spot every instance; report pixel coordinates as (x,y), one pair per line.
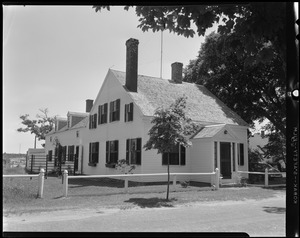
(116,125)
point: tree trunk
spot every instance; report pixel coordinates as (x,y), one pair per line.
(168,177)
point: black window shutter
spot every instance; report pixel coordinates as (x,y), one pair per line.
(107,152)
(90,122)
(118,110)
(165,159)
(126,112)
(110,110)
(95,120)
(127,151)
(242,154)
(99,114)
(90,152)
(182,159)
(117,150)
(131,112)
(139,151)
(105,113)
(97,153)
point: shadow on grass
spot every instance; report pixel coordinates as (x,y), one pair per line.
(282,188)
(277,210)
(151,202)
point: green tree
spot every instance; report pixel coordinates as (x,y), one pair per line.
(259,25)
(39,127)
(255,93)
(171,128)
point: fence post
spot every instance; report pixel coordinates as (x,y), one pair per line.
(126,184)
(65,183)
(217,180)
(174,181)
(266,177)
(41,183)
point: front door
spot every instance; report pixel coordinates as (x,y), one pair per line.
(225,160)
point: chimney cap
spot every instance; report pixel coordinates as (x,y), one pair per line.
(132,41)
(177,63)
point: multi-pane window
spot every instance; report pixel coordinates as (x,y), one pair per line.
(112,152)
(241,154)
(93,153)
(114,110)
(93,121)
(71,152)
(176,156)
(64,154)
(129,112)
(102,114)
(133,151)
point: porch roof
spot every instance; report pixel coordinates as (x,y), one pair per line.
(208,131)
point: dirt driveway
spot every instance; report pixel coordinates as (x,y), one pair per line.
(264,217)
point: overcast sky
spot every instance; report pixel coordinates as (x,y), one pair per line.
(56,57)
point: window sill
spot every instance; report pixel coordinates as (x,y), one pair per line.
(110,165)
(92,164)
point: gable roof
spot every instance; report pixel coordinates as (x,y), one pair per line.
(202,105)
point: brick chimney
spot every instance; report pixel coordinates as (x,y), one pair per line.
(131,64)
(177,72)
(89,105)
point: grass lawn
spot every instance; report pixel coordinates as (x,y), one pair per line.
(20,195)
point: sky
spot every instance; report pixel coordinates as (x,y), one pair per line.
(56,57)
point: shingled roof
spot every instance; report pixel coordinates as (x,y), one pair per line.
(202,105)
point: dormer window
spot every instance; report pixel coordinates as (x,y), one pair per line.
(129,112)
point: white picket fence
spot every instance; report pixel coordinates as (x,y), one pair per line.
(66,178)
(41,180)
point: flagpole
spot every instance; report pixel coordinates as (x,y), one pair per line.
(161,53)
